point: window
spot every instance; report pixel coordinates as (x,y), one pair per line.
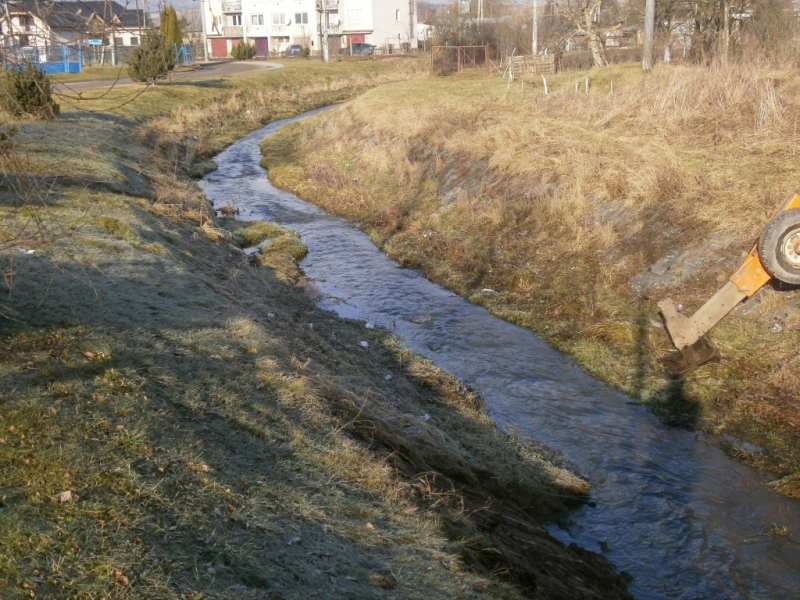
(278,19)
(397,15)
(236,20)
(301,18)
(118,41)
(354,16)
(256,19)
(134,41)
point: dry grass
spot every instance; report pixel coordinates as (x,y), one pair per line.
(558,201)
(177,422)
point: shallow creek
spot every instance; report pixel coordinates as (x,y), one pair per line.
(668,506)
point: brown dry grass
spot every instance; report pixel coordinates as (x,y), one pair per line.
(178,422)
(557,201)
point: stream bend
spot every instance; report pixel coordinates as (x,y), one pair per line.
(668,506)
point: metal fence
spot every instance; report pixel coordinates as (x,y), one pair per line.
(53,59)
(449,60)
(72,59)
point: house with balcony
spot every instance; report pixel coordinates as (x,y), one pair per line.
(388,24)
(271,25)
(274,25)
(41,24)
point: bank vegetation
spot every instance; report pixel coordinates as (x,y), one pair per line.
(583,210)
(178,420)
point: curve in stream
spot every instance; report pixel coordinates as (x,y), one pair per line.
(668,506)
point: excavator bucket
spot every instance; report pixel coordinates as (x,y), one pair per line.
(776,254)
(687,333)
(681,361)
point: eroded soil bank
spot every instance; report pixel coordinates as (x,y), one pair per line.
(179,421)
(572,214)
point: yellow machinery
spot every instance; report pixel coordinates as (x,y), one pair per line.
(776,254)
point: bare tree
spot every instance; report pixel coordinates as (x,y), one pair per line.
(588,19)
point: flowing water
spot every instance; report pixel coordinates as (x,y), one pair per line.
(668,506)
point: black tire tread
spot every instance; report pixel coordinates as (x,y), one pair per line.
(769,245)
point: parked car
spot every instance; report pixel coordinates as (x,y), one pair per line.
(294,50)
(359,48)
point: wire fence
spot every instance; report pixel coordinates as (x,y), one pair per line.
(72,59)
(449,60)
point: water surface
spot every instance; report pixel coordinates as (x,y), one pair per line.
(668,506)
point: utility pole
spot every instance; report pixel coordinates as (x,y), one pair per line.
(535,36)
(649,33)
(203,27)
(108,17)
(412,22)
(325,52)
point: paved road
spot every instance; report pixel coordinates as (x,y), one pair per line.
(206,71)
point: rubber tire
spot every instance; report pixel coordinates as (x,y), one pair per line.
(770,242)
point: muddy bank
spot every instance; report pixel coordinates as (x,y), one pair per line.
(573,219)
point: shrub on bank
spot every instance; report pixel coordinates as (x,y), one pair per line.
(153,59)
(27,91)
(243,51)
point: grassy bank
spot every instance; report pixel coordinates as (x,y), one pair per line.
(177,420)
(582,211)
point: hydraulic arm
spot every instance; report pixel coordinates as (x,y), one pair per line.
(776,254)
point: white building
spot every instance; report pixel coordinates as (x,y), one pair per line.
(28,23)
(384,23)
(274,25)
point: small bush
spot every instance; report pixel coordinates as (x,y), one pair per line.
(305,52)
(153,59)
(28,91)
(243,51)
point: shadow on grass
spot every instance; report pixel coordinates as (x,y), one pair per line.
(202,83)
(226,463)
(670,403)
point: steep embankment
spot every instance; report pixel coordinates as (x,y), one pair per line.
(177,420)
(582,211)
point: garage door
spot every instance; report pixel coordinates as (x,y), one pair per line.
(262,46)
(219,48)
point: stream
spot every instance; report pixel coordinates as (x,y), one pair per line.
(668,506)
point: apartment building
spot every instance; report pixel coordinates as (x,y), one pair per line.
(384,23)
(274,25)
